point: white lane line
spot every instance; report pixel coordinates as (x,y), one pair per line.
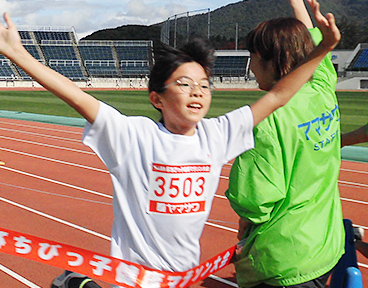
(56,182)
(222,227)
(54,194)
(354,201)
(353,184)
(18,277)
(42,135)
(354,171)
(232,284)
(43,128)
(55,219)
(54,160)
(47,145)
(364,227)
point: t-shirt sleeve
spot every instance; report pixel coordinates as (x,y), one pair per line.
(256,179)
(238,131)
(230,134)
(109,131)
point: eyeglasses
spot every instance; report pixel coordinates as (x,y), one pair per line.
(187,85)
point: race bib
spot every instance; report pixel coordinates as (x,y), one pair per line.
(180,189)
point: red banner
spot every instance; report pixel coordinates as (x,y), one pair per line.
(105,268)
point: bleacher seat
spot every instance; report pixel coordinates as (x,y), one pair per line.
(32,49)
(362,60)
(23,74)
(230,66)
(69,68)
(102,68)
(132,52)
(24,35)
(96,52)
(134,68)
(6,71)
(52,35)
(59,52)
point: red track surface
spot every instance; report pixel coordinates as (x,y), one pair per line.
(55,178)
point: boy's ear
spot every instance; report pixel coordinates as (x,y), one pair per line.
(155,99)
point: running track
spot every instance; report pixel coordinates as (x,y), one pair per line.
(54,187)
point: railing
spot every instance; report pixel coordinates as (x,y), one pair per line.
(115,43)
(346,274)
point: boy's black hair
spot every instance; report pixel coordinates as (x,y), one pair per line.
(168,59)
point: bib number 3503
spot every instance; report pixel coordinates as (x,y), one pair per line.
(178,189)
(177,186)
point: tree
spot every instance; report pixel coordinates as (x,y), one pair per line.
(350,34)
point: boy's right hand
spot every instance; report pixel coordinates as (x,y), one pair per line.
(9,37)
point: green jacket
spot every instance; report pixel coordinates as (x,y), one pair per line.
(287,188)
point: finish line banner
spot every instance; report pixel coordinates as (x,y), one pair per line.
(105,268)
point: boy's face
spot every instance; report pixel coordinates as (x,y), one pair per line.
(183,107)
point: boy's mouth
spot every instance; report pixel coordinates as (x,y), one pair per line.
(195,106)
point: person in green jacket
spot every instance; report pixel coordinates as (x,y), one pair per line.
(286,189)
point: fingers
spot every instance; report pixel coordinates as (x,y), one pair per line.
(335,30)
(8,20)
(331,19)
(1,25)
(315,6)
(327,25)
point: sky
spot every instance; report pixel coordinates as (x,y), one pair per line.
(88,16)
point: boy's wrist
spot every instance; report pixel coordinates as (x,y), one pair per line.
(14,52)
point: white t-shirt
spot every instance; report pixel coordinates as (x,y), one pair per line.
(164,183)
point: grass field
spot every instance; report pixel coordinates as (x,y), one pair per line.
(353,105)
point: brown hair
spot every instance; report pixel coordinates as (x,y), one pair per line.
(284,41)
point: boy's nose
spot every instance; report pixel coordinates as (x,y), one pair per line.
(196,91)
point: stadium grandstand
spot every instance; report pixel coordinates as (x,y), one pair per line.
(355,69)
(108,63)
(80,61)
(231,66)
(103,63)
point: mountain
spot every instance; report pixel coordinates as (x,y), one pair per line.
(351,17)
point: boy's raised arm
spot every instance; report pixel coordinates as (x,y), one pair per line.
(282,92)
(12,48)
